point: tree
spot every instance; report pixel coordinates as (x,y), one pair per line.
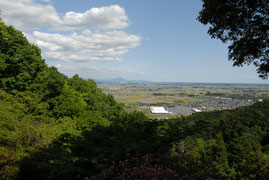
(20,61)
(244,23)
(82,85)
(70,103)
(49,83)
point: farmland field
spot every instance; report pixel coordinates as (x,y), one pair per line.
(181,98)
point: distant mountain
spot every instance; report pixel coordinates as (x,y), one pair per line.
(119,80)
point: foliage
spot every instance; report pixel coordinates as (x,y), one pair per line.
(102,151)
(20,61)
(231,139)
(49,83)
(245,24)
(138,168)
(71,155)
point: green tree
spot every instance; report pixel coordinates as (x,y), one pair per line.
(49,83)
(20,61)
(217,153)
(81,85)
(69,103)
(244,23)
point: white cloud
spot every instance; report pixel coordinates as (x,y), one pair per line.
(111,17)
(25,14)
(87,46)
(83,44)
(28,15)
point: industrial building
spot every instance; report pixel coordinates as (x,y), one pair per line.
(195,110)
(159,110)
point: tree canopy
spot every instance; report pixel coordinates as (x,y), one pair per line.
(20,61)
(244,23)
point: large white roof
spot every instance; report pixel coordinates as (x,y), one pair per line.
(196,110)
(158,110)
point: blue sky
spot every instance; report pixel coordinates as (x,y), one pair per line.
(154,40)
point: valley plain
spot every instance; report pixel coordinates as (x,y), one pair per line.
(183,98)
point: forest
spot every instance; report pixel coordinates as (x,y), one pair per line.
(55,127)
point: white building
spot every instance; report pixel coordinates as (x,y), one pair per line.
(159,110)
(196,110)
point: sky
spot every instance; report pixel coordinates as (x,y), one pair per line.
(154,40)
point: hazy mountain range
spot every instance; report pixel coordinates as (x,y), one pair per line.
(120,80)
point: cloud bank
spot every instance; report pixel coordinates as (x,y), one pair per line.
(93,35)
(27,15)
(87,46)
